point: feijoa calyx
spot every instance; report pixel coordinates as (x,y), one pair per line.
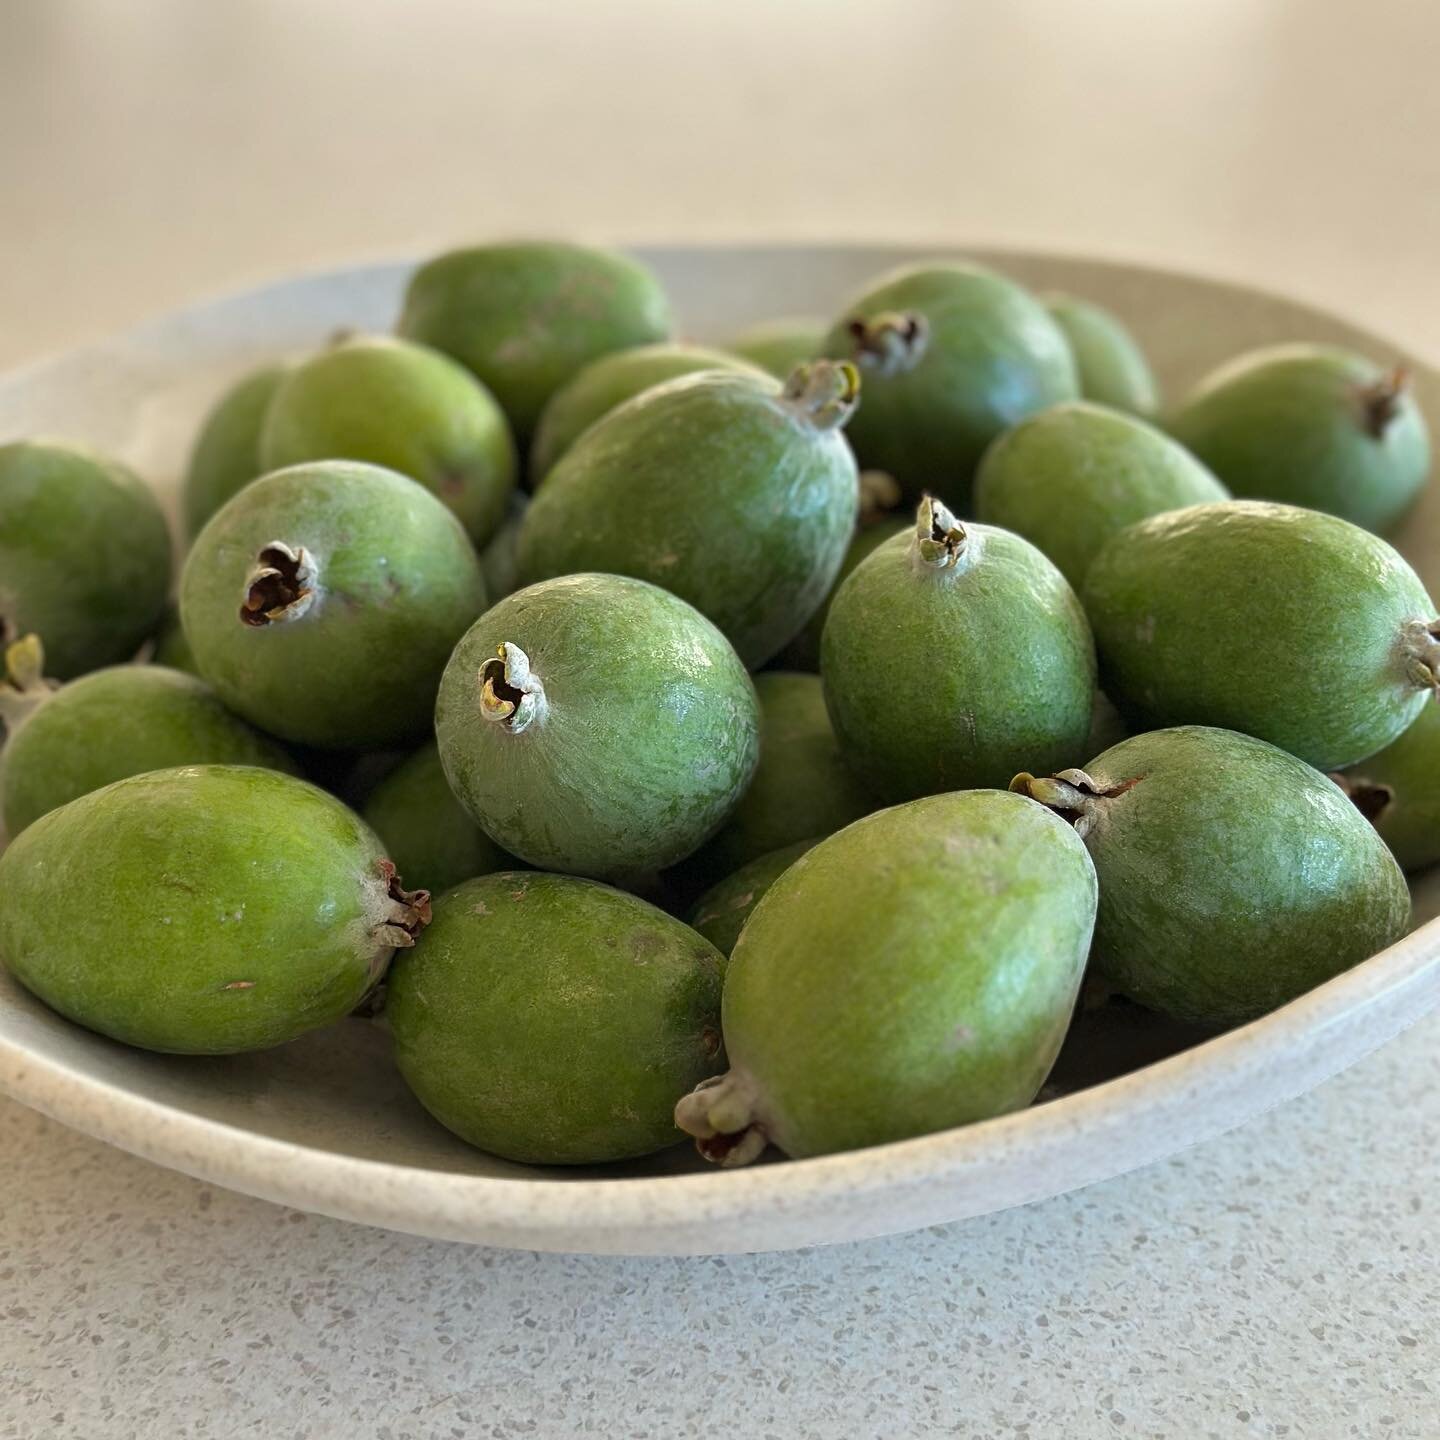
(1398,791)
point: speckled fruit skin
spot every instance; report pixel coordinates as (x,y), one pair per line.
(84,555)
(524,318)
(204,910)
(1112,367)
(779,345)
(942,677)
(1279,622)
(427,832)
(1072,476)
(118,722)
(609,381)
(717,487)
(403,406)
(1291,423)
(398,582)
(226,457)
(993,355)
(1233,877)
(644,742)
(1406,811)
(915,971)
(171,648)
(553,1021)
(721,912)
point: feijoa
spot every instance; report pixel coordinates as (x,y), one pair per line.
(552,1020)
(1070,477)
(323,601)
(84,555)
(525,317)
(1111,365)
(732,492)
(721,912)
(948,652)
(779,345)
(597,725)
(1283,623)
(1233,877)
(498,558)
(171,648)
(1311,425)
(1398,791)
(917,970)
(203,910)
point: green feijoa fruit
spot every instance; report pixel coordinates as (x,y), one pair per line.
(1311,425)
(427,832)
(1072,476)
(171,648)
(721,912)
(84,555)
(1283,623)
(204,910)
(1107,725)
(226,457)
(780,345)
(802,786)
(1398,791)
(1233,877)
(498,559)
(917,970)
(598,725)
(733,493)
(113,723)
(552,1020)
(323,601)
(949,356)
(1112,367)
(525,317)
(948,653)
(406,407)
(609,381)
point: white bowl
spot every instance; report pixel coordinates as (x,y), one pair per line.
(324,1123)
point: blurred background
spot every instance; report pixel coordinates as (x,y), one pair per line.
(156,151)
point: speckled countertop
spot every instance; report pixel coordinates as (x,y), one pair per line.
(1280,1281)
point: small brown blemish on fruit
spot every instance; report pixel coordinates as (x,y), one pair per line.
(710,1040)
(479,908)
(239,985)
(961,1036)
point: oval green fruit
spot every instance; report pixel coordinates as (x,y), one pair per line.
(498,559)
(1311,425)
(948,653)
(1283,623)
(403,406)
(731,492)
(915,971)
(1233,877)
(205,910)
(171,648)
(525,317)
(779,345)
(721,912)
(323,601)
(1398,791)
(949,356)
(598,725)
(1112,367)
(84,555)
(1072,476)
(552,1020)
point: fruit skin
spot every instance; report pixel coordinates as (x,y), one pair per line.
(403,406)
(1072,476)
(950,356)
(1311,425)
(109,724)
(735,495)
(779,345)
(1112,367)
(977,649)
(525,317)
(498,558)
(553,1021)
(643,741)
(226,457)
(425,829)
(1278,622)
(84,555)
(204,910)
(609,381)
(357,664)
(721,912)
(172,649)
(915,971)
(1398,790)
(1233,877)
